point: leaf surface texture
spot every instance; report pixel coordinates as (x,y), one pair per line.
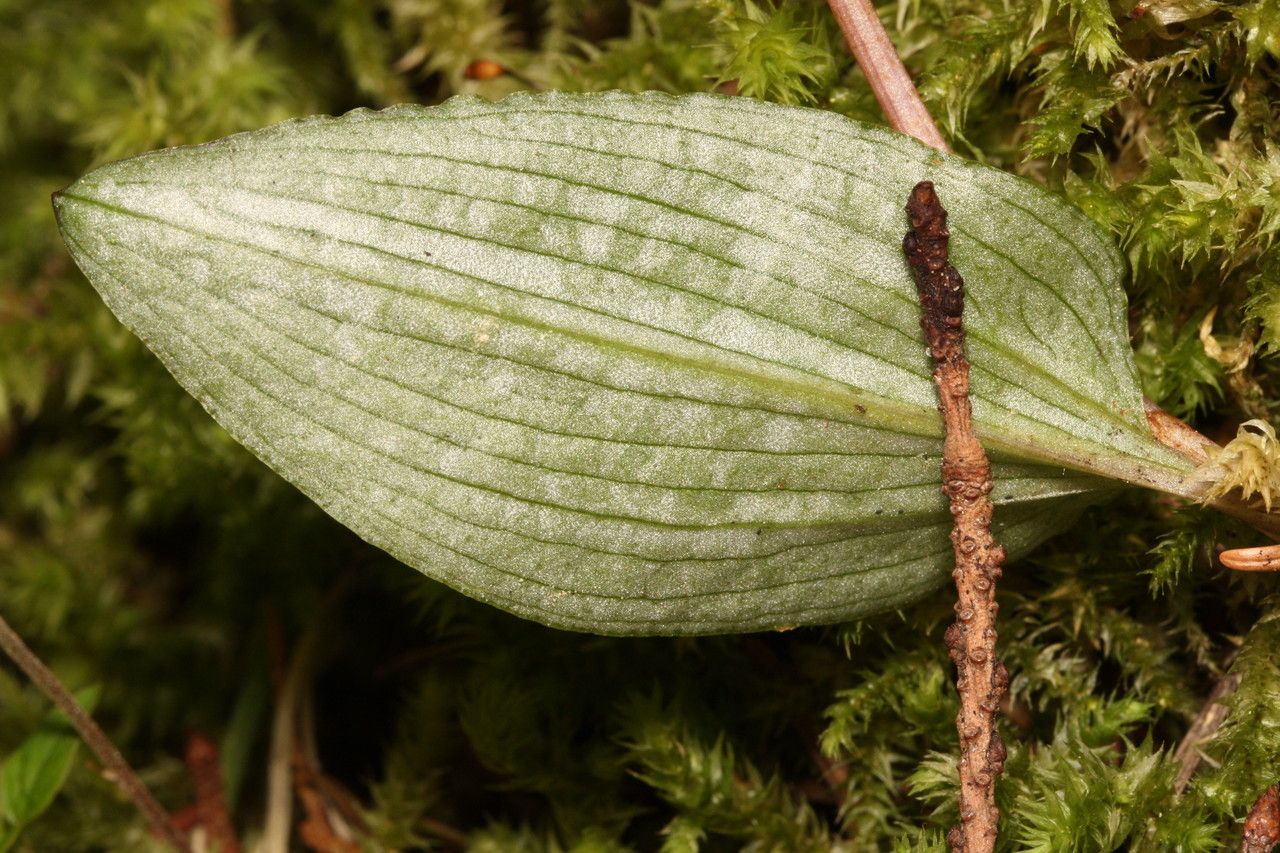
(622,363)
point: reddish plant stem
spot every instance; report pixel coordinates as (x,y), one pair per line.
(96,738)
(1175,434)
(966,481)
(890,82)
(211,800)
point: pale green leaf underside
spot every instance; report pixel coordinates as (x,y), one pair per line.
(623,363)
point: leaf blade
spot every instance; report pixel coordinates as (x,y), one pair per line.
(32,775)
(652,379)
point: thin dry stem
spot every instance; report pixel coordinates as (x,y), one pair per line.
(966,481)
(890,82)
(96,738)
(290,679)
(1206,725)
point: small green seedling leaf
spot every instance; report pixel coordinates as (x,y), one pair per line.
(630,364)
(32,774)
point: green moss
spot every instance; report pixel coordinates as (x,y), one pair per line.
(143,551)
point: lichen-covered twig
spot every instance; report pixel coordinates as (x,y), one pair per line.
(96,738)
(966,481)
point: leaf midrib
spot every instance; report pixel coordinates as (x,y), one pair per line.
(881,401)
(1109,414)
(841,397)
(899,414)
(869,522)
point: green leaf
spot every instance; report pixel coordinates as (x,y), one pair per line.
(623,363)
(32,774)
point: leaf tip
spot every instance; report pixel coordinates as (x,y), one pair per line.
(64,203)
(58,200)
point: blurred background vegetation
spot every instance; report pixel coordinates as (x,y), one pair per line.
(190,592)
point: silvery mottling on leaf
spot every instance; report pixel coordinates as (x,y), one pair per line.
(631,364)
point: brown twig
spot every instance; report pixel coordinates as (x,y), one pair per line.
(329,811)
(1262,826)
(966,481)
(93,736)
(225,18)
(1206,724)
(317,830)
(890,82)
